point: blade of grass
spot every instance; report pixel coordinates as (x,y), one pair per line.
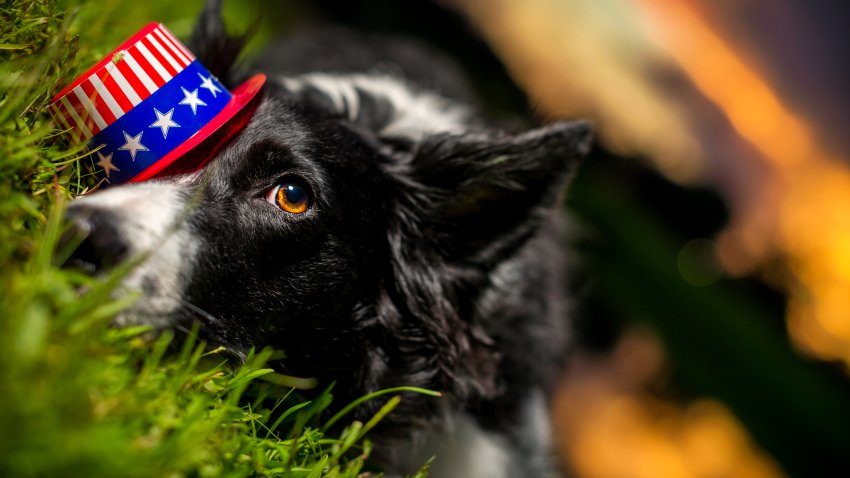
(351,406)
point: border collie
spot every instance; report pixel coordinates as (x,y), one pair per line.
(369,222)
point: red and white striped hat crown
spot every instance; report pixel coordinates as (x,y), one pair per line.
(149,103)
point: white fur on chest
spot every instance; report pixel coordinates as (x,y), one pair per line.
(463,449)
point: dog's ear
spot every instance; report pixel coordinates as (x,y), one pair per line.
(486,193)
(214,47)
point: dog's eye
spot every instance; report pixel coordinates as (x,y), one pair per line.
(290,196)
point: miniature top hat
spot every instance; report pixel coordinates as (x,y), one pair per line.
(149,104)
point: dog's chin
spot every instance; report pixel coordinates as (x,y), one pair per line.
(171,314)
(159,281)
(158,313)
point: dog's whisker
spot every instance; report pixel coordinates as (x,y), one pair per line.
(181,328)
(206,316)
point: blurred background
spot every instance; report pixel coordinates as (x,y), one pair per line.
(712,237)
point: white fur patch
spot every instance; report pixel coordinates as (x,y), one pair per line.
(535,435)
(465,450)
(150,220)
(415,114)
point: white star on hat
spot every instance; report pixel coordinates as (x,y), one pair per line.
(133,144)
(192,100)
(163,122)
(208,84)
(105,162)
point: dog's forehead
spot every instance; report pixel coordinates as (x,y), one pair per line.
(277,133)
(279,121)
(287,136)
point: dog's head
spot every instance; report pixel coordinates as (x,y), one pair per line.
(353,223)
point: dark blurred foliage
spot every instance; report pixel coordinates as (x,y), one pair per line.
(726,340)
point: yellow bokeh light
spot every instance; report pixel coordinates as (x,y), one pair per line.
(612,429)
(809,224)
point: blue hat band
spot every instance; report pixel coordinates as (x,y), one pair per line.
(159,124)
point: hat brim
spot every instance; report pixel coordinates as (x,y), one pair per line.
(199,149)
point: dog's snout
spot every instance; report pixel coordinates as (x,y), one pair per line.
(99,243)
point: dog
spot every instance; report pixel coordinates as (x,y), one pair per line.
(373,225)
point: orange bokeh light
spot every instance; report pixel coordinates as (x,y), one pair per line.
(612,429)
(809,224)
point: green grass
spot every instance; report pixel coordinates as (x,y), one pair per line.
(78,397)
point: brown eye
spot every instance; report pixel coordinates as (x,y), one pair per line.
(289,196)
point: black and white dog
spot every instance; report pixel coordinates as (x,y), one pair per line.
(381,233)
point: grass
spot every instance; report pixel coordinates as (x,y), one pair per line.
(80,398)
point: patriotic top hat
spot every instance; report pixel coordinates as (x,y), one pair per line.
(150,103)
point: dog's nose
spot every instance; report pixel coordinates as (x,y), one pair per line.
(100,243)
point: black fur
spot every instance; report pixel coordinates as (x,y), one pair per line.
(433,262)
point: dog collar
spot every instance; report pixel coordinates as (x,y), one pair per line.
(149,104)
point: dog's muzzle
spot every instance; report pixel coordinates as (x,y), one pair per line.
(145,224)
(95,233)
